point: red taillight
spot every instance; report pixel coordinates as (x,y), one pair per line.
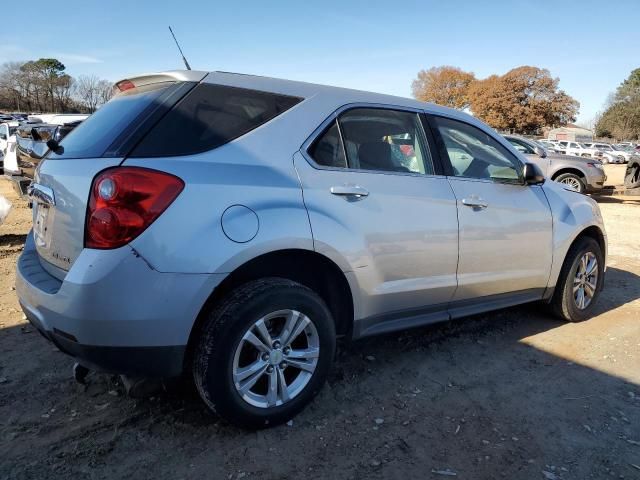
(124,201)
(125,85)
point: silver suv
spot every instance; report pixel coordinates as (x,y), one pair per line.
(582,174)
(232,227)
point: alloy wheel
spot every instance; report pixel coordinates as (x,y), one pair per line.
(275,359)
(585,281)
(572,183)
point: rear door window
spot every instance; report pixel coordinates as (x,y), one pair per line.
(328,150)
(210,116)
(375,139)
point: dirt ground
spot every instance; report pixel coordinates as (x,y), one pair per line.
(512,394)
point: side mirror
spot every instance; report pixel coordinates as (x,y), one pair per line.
(3,136)
(532,174)
(541,152)
(54,147)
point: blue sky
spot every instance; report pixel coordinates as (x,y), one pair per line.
(374,45)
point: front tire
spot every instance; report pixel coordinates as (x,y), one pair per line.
(264,352)
(580,281)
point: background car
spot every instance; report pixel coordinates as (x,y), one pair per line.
(7,138)
(32,138)
(578,173)
(577,149)
(621,155)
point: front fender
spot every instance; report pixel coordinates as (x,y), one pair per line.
(572,214)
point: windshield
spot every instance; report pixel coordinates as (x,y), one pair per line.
(95,135)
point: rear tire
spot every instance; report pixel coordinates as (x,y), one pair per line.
(573,181)
(247,332)
(566,300)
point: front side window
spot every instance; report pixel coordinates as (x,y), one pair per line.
(476,154)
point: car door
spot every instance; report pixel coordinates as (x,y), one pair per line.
(505,226)
(377,207)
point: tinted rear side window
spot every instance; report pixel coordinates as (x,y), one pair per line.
(95,135)
(210,116)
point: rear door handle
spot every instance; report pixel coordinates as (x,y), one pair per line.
(349,190)
(474,202)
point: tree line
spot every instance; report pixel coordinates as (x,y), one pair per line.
(621,118)
(523,100)
(44,86)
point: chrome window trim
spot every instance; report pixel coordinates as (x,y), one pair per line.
(333,117)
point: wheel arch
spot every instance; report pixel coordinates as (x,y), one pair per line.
(591,231)
(574,170)
(306,267)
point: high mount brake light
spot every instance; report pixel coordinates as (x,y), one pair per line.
(124,201)
(125,85)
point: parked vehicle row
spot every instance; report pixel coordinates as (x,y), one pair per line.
(584,175)
(606,152)
(27,143)
(244,223)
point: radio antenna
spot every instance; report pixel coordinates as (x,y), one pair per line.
(186,64)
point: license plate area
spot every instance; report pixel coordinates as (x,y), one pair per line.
(41,231)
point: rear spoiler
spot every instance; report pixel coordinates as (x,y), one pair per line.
(151,78)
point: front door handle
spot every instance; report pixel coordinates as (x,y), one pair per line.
(474,202)
(349,190)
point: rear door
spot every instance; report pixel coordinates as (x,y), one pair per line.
(505,226)
(62,181)
(374,199)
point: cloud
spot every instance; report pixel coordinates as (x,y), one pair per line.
(10,52)
(75,59)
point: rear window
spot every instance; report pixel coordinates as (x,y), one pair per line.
(94,136)
(210,116)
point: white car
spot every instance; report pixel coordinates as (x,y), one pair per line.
(7,138)
(578,149)
(620,155)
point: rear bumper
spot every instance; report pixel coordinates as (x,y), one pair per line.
(112,311)
(152,362)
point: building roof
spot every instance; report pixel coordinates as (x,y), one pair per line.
(572,129)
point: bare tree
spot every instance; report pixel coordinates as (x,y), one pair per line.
(88,91)
(105,91)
